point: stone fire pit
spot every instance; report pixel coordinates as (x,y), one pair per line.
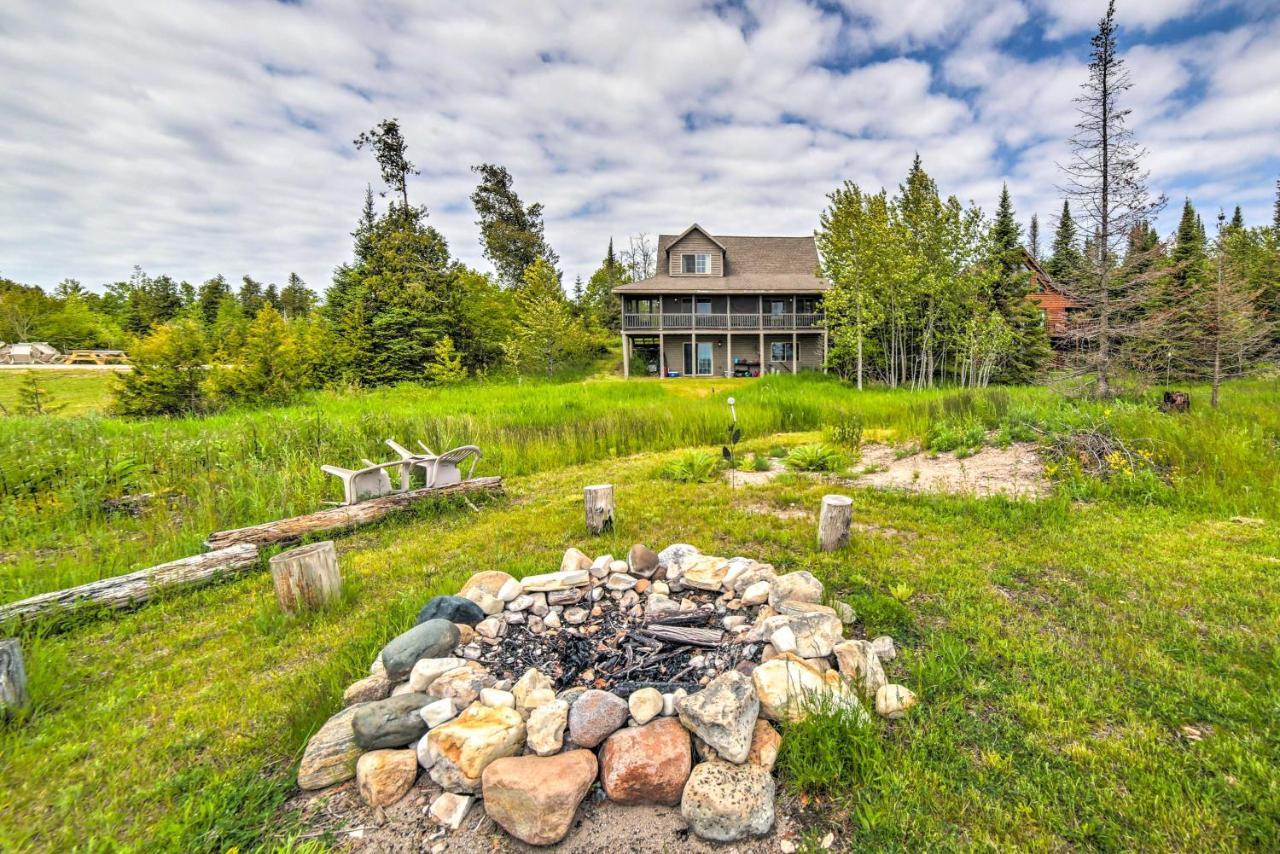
(524,693)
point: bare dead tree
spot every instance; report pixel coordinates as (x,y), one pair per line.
(1109,187)
(640,258)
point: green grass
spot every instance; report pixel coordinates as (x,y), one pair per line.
(1058,648)
(1057,651)
(77,392)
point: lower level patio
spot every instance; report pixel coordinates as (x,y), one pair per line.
(728,354)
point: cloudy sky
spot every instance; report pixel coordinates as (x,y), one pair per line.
(201,136)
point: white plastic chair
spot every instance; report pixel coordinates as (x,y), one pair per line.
(358,485)
(443,470)
(409,461)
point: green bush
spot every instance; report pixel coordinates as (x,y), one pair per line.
(832,750)
(847,431)
(964,437)
(692,467)
(814,458)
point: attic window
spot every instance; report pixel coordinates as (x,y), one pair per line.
(696,263)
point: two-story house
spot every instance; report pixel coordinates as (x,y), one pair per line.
(726,306)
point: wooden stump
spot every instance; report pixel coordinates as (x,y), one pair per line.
(306,577)
(834,522)
(13,676)
(598,501)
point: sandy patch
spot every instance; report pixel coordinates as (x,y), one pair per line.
(791,511)
(755,478)
(1015,471)
(599,826)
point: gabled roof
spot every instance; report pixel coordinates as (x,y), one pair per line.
(751,265)
(1041,278)
(682,235)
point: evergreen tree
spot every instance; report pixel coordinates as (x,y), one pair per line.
(600,305)
(210,298)
(546,337)
(1066,261)
(445,367)
(1033,238)
(391,152)
(1237,219)
(33,398)
(1027,341)
(251,297)
(168,372)
(1188,248)
(228,330)
(271,296)
(296,299)
(1275,214)
(511,233)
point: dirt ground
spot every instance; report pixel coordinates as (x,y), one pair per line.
(600,825)
(1015,471)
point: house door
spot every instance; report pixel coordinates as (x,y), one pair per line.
(701,367)
(688,359)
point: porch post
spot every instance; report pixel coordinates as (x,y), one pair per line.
(825,344)
(694,347)
(794,342)
(762,361)
(626,359)
(662,356)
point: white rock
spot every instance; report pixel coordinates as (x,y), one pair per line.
(546,727)
(620,567)
(600,566)
(552,620)
(858,661)
(489,627)
(893,701)
(782,638)
(450,810)
(575,616)
(427,670)
(539,606)
(815,635)
(645,705)
(738,566)
(669,701)
(797,586)
(659,588)
(434,714)
(510,590)
(523,602)
(620,581)
(530,681)
(513,618)
(402,688)
(488,603)
(756,594)
(565,580)
(733,621)
(497,699)
(884,648)
(846,613)
(573,560)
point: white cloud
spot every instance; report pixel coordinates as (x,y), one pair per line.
(204,136)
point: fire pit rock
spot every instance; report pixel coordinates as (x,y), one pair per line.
(643,659)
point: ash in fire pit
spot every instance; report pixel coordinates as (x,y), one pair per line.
(529,691)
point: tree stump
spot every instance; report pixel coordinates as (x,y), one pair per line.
(598,501)
(834,522)
(306,577)
(13,676)
(1176,401)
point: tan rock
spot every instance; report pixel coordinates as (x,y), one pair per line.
(884,648)
(462,684)
(385,776)
(376,687)
(490,581)
(645,705)
(331,754)
(755,594)
(753,575)
(450,810)
(787,687)
(573,560)
(795,586)
(723,715)
(546,727)
(552,581)
(458,751)
(725,802)
(765,742)
(647,764)
(428,670)
(534,798)
(531,680)
(814,634)
(858,661)
(893,701)
(466,634)
(705,572)
(488,603)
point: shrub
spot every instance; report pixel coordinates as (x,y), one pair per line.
(814,458)
(757,462)
(964,437)
(847,431)
(168,372)
(832,750)
(692,467)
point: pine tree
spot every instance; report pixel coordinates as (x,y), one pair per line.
(1188,246)
(600,305)
(251,298)
(210,298)
(445,367)
(1027,345)
(511,233)
(271,296)
(1066,262)
(1106,178)
(1237,219)
(1033,238)
(296,299)
(1275,215)
(33,398)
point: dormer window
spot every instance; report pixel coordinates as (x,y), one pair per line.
(696,262)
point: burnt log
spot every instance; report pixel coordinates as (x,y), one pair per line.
(690,636)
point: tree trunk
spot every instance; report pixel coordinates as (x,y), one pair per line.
(13,676)
(348,516)
(306,578)
(126,591)
(598,501)
(834,522)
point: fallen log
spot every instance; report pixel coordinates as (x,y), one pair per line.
(127,591)
(692,637)
(347,516)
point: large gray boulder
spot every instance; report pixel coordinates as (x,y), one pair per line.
(393,722)
(432,639)
(455,609)
(723,715)
(725,802)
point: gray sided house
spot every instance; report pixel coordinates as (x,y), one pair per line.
(726,306)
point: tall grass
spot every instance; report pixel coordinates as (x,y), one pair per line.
(240,468)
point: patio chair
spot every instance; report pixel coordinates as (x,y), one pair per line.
(358,485)
(409,461)
(443,470)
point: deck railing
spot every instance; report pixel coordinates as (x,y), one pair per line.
(687,321)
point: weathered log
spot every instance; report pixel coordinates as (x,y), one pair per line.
(13,676)
(834,522)
(598,501)
(126,591)
(306,578)
(347,516)
(681,634)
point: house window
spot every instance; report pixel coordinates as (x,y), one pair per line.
(1044,318)
(780,351)
(696,263)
